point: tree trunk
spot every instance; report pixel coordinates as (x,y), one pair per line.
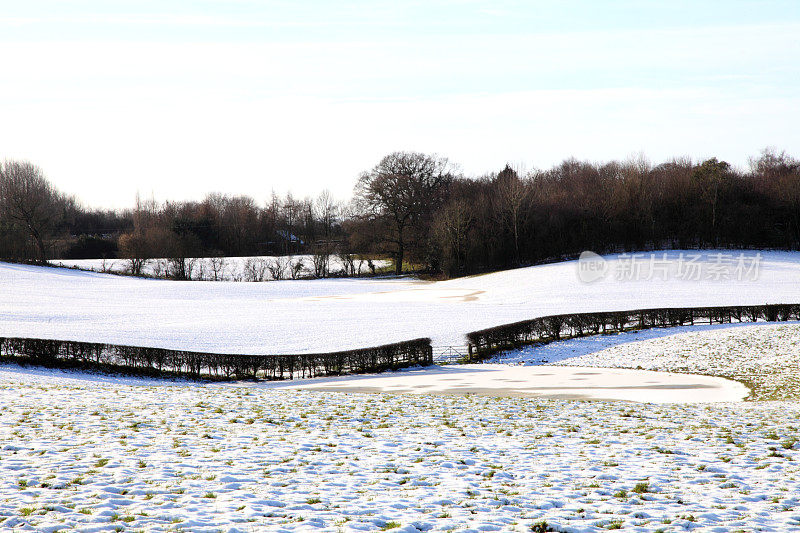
(39,244)
(398,262)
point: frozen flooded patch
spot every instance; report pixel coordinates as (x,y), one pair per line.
(539,381)
(765,356)
(97,455)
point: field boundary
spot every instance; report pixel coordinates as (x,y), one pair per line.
(484,343)
(164,362)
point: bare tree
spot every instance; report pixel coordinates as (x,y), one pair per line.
(513,196)
(180,267)
(403,189)
(160,268)
(292,213)
(348,262)
(217,266)
(277,267)
(182,251)
(255,269)
(710,176)
(145,240)
(320,259)
(296,268)
(134,248)
(358,264)
(451,228)
(326,211)
(199,269)
(28,199)
(777,175)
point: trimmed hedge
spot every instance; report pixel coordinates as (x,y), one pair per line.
(160,361)
(486,342)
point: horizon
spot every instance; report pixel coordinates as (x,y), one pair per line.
(177,100)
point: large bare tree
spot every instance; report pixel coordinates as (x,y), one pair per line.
(512,195)
(28,200)
(451,232)
(403,189)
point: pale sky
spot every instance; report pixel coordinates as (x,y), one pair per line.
(181,98)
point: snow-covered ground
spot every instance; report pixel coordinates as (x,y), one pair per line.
(226,268)
(330,314)
(764,356)
(538,381)
(101,454)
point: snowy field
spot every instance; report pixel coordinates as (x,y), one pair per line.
(538,381)
(227,268)
(104,454)
(765,356)
(330,314)
(100,453)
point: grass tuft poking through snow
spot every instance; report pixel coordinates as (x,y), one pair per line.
(322,461)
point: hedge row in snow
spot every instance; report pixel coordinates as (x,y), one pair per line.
(486,342)
(155,361)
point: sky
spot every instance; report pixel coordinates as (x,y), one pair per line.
(177,99)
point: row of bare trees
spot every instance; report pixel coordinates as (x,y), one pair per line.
(421,211)
(235,226)
(416,207)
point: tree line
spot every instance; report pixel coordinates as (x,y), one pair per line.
(419,210)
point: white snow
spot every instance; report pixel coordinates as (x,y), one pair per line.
(103,453)
(99,454)
(330,314)
(538,381)
(765,355)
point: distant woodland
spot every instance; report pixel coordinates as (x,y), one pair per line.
(420,211)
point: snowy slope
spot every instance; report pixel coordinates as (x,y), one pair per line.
(319,315)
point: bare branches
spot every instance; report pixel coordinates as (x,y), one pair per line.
(255,269)
(27,199)
(217,267)
(277,267)
(404,188)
